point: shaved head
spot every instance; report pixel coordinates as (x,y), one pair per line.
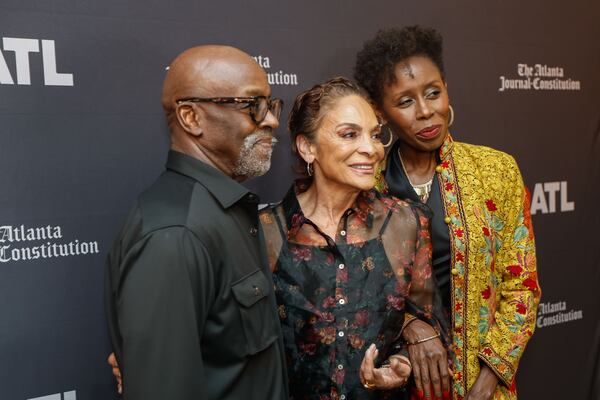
(209,71)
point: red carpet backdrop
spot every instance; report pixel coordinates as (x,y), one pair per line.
(82,133)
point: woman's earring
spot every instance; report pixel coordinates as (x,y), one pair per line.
(451,120)
(309,169)
(389,143)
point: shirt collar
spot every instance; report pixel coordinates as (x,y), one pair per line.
(226,190)
(294,217)
(446,147)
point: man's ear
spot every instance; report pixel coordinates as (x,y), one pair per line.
(189,118)
(305,148)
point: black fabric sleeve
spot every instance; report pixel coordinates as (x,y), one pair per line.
(165,292)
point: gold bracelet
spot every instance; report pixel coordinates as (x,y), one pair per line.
(437,335)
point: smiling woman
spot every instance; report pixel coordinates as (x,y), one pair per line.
(347,261)
(483,247)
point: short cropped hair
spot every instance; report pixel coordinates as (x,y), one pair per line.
(376,62)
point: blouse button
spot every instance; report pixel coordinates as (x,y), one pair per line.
(341,334)
(341,266)
(447,220)
(343,233)
(342,301)
(438,168)
(454,271)
(340,366)
(253,231)
(343,397)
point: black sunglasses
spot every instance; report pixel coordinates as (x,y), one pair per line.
(258,105)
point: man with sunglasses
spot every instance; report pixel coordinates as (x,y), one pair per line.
(190,303)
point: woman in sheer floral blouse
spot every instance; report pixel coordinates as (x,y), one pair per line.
(347,261)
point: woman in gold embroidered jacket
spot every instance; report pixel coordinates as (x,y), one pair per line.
(483,244)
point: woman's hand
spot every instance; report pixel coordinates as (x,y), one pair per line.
(112,361)
(383,378)
(429,360)
(484,386)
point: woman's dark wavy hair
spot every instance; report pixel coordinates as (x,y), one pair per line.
(376,62)
(312,105)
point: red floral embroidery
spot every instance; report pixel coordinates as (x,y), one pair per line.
(445,164)
(521,309)
(515,269)
(460,257)
(487,351)
(530,284)
(486,231)
(458,306)
(328,302)
(302,253)
(487,293)
(449,186)
(361,318)
(491,206)
(459,232)
(308,348)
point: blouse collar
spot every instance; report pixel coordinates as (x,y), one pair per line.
(362,208)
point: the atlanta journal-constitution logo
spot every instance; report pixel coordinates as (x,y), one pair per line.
(277,77)
(22,243)
(539,77)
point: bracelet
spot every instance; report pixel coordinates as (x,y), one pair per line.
(437,335)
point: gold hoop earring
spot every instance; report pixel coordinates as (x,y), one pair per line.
(309,169)
(451,120)
(389,143)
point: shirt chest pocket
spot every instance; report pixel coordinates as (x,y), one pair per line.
(256,310)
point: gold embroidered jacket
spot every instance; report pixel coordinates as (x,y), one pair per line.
(495,289)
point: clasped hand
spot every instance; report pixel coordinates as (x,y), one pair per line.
(386,377)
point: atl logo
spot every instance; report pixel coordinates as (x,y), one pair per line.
(22,49)
(65,396)
(544,198)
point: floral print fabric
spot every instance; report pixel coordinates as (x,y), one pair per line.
(338,295)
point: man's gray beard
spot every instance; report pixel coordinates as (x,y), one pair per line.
(251,161)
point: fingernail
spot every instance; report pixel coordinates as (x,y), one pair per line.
(446,394)
(421,394)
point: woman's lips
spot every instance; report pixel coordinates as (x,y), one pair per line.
(367,169)
(430,132)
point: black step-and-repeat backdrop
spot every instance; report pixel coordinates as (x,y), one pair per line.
(82,132)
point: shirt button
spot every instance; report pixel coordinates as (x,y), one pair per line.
(454,271)
(343,233)
(341,334)
(340,366)
(341,266)
(447,220)
(253,231)
(342,301)
(343,397)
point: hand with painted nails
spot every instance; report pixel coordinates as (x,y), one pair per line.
(388,376)
(429,361)
(112,361)
(484,386)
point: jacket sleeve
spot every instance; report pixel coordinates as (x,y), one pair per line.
(164,294)
(517,292)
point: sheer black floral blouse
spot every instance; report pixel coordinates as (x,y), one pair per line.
(338,295)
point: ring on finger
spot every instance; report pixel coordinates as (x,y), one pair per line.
(368,385)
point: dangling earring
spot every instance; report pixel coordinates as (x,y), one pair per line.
(309,169)
(451,120)
(391,134)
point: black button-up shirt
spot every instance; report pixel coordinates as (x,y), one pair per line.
(190,300)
